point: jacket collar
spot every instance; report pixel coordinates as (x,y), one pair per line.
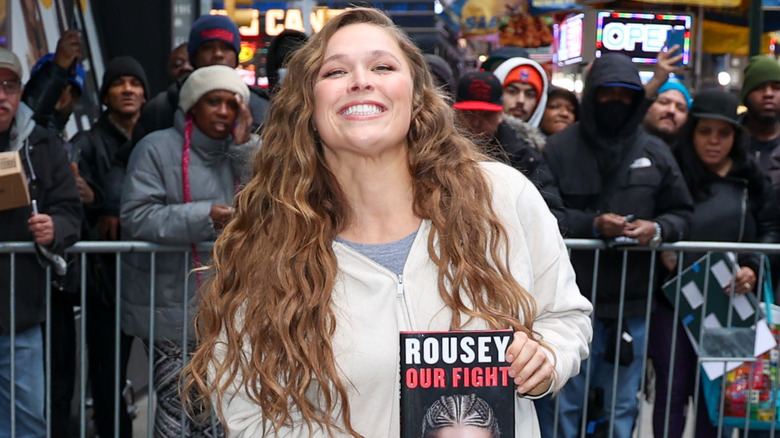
(22,126)
(210,150)
(531,134)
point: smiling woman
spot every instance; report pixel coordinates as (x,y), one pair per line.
(363,97)
(370,213)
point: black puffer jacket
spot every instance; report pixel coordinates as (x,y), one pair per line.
(644,180)
(740,207)
(52,185)
(520,155)
(97,150)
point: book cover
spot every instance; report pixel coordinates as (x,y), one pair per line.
(458,378)
(719,325)
(703,300)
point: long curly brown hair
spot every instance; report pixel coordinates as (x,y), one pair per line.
(265,324)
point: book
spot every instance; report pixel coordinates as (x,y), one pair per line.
(449,376)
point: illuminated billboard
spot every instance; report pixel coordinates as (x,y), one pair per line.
(567,40)
(640,35)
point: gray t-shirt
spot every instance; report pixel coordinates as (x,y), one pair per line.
(391,255)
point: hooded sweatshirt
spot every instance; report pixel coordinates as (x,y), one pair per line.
(528,131)
(373,304)
(506,67)
(610,144)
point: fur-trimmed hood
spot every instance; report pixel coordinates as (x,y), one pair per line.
(531,134)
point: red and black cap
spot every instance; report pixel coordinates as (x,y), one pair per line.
(479,91)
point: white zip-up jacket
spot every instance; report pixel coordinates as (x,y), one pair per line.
(373,305)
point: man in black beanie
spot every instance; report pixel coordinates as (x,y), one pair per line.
(123,92)
(761,95)
(214,40)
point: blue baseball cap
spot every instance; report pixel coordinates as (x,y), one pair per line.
(623,84)
(78,78)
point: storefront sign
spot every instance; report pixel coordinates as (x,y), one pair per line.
(640,36)
(706,3)
(727,38)
(277,20)
(480,17)
(542,6)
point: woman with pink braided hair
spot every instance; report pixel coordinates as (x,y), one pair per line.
(179,190)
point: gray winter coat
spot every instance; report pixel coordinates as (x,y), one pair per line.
(153,209)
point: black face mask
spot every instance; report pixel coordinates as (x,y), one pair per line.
(612,115)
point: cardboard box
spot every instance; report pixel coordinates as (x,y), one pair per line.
(13,182)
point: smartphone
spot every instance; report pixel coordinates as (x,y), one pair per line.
(676,37)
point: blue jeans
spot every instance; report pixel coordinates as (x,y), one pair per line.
(29,384)
(572,396)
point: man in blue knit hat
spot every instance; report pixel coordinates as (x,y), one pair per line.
(669,111)
(214,40)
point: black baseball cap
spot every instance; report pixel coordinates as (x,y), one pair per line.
(715,104)
(479,91)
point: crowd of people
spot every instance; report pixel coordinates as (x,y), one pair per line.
(369,190)
(637,164)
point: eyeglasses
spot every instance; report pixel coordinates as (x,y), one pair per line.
(11,87)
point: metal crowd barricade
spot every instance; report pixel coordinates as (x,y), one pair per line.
(81,250)
(643,425)
(12,249)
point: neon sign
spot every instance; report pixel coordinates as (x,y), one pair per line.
(567,40)
(277,20)
(640,35)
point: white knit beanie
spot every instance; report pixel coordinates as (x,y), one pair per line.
(207,79)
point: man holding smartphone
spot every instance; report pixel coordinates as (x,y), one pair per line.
(668,97)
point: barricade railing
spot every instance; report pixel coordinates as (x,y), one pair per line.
(9,251)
